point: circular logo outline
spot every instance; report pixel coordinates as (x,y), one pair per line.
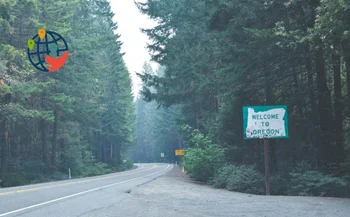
(37,44)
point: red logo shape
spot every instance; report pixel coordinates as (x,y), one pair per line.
(56,63)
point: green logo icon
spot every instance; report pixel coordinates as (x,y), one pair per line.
(31,44)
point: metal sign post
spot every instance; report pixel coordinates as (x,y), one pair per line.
(180,153)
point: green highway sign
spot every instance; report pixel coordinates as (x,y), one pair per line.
(265,122)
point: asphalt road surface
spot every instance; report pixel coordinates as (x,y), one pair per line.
(76,197)
(156,190)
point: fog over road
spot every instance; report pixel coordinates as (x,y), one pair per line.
(155,190)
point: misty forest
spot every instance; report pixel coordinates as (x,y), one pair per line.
(213,58)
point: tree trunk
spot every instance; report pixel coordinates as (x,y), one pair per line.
(338,120)
(296,93)
(118,154)
(4,147)
(62,151)
(313,125)
(103,151)
(347,64)
(311,89)
(54,139)
(43,135)
(43,142)
(325,109)
(99,149)
(111,152)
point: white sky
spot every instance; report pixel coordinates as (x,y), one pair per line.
(130,20)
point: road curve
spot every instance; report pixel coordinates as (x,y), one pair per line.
(77,196)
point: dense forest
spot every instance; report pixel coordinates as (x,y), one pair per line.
(81,117)
(221,55)
(214,56)
(157,128)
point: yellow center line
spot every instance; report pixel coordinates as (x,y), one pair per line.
(72,183)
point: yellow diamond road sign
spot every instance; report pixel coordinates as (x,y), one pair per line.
(179,152)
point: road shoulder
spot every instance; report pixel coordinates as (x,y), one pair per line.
(175,195)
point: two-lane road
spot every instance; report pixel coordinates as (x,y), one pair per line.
(75,197)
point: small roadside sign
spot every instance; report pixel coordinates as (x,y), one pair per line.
(261,122)
(161,154)
(179,152)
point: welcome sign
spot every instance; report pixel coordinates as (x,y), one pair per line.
(265,122)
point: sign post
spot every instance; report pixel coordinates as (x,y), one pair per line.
(265,122)
(266,158)
(180,152)
(162,157)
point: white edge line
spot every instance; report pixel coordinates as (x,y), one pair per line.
(80,193)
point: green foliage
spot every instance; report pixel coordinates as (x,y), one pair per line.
(34,170)
(345,170)
(125,166)
(315,183)
(83,163)
(221,55)
(10,179)
(56,175)
(75,118)
(279,184)
(196,139)
(242,178)
(204,158)
(221,176)
(96,169)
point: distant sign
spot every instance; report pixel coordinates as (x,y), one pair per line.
(161,154)
(265,122)
(179,152)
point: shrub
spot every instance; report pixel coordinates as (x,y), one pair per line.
(244,178)
(96,169)
(125,165)
(201,164)
(204,158)
(10,179)
(279,184)
(220,178)
(315,183)
(345,170)
(34,170)
(56,175)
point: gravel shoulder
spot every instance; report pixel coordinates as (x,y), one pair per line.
(175,195)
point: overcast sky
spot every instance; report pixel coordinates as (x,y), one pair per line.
(130,20)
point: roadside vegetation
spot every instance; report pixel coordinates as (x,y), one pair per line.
(32,173)
(222,55)
(203,161)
